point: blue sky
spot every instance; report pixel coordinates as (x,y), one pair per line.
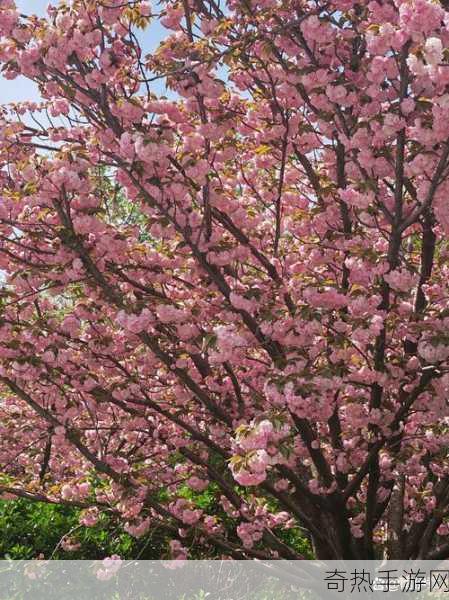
(21,89)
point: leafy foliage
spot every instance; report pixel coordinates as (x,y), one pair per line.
(30,529)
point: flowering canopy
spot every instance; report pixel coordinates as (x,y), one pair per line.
(241,286)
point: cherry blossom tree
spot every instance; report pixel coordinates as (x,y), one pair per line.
(225,268)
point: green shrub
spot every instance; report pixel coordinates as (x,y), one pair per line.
(29,529)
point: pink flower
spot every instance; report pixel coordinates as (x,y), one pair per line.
(69,545)
(357,199)
(139,528)
(259,461)
(90,517)
(416,66)
(8,19)
(197,484)
(357,531)
(170,314)
(190,517)
(401,280)
(433,51)
(249,533)
(127,146)
(178,552)
(433,353)
(83,489)
(59,106)
(281,485)
(240,302)
(246,478)
(173,18)
(408,106)
(67,492)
